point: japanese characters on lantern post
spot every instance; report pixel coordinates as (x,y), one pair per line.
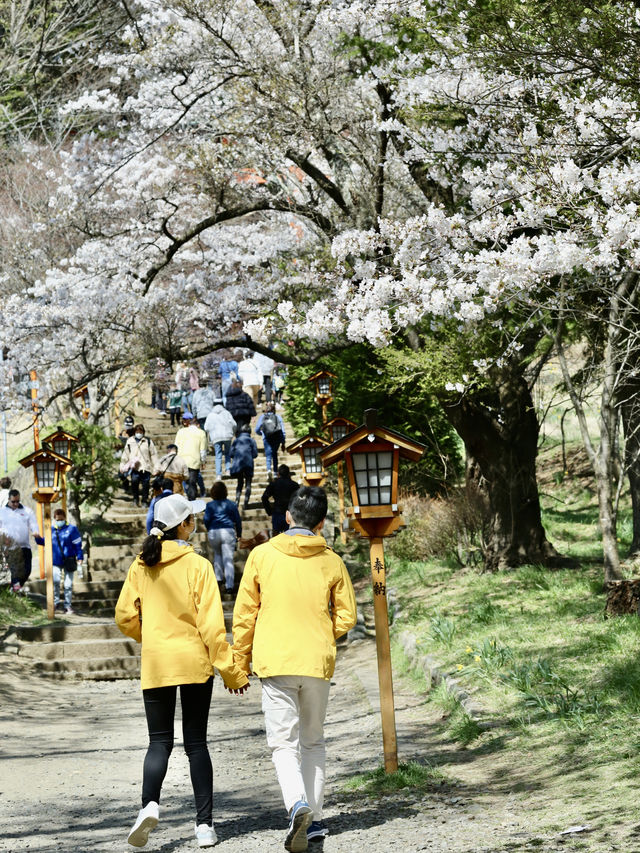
(372,454)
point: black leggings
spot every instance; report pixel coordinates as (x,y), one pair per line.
(160,707)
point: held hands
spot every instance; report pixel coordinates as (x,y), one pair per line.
(238,690)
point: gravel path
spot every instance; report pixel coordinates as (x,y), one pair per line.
(72,760)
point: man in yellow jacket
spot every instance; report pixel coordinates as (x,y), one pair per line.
(295,600)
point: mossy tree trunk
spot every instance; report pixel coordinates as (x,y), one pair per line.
(500,430)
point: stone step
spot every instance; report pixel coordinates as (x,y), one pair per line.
(117,667)
(120,564)
(72,650)
(82,588)
(64,631)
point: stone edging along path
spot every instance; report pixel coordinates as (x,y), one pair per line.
(435,673)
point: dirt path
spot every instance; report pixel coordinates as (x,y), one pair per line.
(72,759)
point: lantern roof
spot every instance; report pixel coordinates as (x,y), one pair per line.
(59,434)
(339,421)
(409,449)
(43,455)
(321,373)
(311,440)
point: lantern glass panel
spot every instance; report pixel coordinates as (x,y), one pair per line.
(324,386)
(312,463)
(339,431)
(60,445)
(374,476)
(45,474)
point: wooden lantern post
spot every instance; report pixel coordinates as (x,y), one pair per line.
(61,443)
(324,390)
(337,428)
(35,408)
(313,473)
(47,469)
(372,454)
(82,394)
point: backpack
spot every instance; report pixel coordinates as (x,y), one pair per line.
(270,424)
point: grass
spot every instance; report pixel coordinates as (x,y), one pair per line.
(422,777)
(18,610)
(559,682)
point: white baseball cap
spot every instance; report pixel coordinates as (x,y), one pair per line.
(173,509)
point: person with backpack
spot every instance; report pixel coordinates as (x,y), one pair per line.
(271,427)
(243,451)
(220,426)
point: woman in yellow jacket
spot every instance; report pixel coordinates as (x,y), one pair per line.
(170,602)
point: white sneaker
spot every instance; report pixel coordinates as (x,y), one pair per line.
(206,835)
(146,821)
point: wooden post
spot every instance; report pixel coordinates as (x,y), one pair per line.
(343,532)
(33,376)
(48,550)
(383,649)
(63,490)
(324,413)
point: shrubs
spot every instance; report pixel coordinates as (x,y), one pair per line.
(444,527)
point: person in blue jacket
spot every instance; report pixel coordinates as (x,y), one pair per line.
(162,486)
(271,427)
(223,523)
(66,543)
(243,451)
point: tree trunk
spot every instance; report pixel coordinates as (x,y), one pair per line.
(500,430)
(630,411)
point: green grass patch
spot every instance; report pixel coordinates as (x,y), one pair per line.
(533,643)
(420,777)
(19,610)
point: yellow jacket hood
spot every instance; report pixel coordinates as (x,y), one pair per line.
(295,600)
(299,545)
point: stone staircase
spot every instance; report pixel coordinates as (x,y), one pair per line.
(88,644)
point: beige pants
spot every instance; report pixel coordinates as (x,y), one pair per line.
(252,391)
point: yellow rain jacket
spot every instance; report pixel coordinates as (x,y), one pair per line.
(192,445)
(174,610)
(295,600)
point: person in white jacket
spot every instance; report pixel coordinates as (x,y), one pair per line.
(250,372)
(220,426)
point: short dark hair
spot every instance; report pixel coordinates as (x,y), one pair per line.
(13,493)
(308,506)
(5,482)
(218,491)
(245,428)
(59,512)
(139,427)
(284,471)
(171,446)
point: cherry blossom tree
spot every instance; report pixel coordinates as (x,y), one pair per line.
(328,173)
